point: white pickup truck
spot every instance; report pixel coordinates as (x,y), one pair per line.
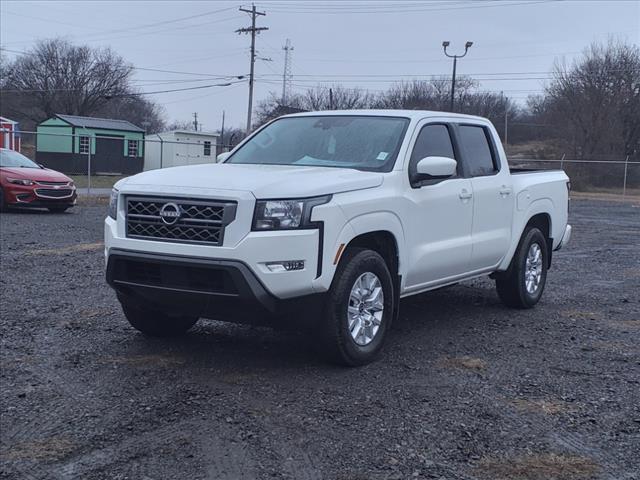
(329,219)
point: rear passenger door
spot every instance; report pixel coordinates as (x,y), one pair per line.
(493,202)
(439,215)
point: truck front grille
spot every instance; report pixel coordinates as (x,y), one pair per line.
(179,220)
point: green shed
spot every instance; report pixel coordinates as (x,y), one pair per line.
(68,143)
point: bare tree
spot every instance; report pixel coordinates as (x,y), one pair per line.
(321,97)
(137,110)
(58,77)
(594,104)
(180,125)
(425,94)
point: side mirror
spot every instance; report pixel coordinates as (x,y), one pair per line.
(222,157)
(436,167)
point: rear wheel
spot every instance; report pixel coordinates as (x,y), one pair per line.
(521,286)
(154,323)
(2,204)
(359,308)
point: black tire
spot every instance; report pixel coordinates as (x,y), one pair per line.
(154,323)
(58,209)
(338,343)
(3,207)
(511,285)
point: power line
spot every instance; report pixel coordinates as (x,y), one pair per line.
(119,30)
(165,30)
(206,95)
(178,72)
(331,10)
(131,94)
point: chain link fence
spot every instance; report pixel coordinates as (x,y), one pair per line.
(615,176)
(97,160)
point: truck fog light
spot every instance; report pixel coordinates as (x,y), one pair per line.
(286,266)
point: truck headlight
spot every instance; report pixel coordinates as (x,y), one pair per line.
(113,204)
(285,214)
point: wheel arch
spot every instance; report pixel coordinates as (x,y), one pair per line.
(538,215)
(380,231)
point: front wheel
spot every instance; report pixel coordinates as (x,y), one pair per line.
(359,308)
(521,286)
(154,323)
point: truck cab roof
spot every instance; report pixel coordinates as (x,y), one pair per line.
(411,114)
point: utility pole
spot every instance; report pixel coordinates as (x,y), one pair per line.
(505,100)
(286,74)
(506,124)
(195,121)
(222,133)
(455,62)
(253,30)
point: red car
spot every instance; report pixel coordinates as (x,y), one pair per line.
(24,183)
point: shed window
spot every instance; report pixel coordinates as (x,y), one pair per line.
(84,144)
(207,148)
(133,148)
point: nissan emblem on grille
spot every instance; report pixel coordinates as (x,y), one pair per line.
(170,213)
(184,220)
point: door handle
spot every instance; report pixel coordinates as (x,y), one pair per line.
(504,191)
(465,195)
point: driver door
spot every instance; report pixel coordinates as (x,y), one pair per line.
(440,214)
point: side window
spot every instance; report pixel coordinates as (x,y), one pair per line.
(432,141)
(478,154)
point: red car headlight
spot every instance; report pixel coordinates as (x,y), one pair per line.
(21,181)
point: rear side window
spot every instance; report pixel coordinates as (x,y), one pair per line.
(432,141)
(478,153)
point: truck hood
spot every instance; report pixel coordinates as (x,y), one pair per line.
(263,181)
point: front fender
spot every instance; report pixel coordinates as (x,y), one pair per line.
(359,225)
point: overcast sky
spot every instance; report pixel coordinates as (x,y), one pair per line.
(367,44)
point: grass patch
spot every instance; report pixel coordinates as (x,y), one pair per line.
(548,407)
(544,466)
(97,181)
(80,247)
(582,315)
(48,449)
(614,195)
(148,361)
(464,363)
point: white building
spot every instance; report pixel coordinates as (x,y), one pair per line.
(179,147)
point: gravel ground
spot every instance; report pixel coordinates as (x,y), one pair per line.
(466,389)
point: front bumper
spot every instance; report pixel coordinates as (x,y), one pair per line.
(35,196)
(255,250)
(213,288)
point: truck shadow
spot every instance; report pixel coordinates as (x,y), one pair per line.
(427,320)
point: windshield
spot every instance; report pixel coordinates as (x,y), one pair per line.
(361,142)
(9,158)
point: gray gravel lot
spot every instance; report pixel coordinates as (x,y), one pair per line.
(466,389)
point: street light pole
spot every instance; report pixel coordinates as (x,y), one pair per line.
(455,63)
